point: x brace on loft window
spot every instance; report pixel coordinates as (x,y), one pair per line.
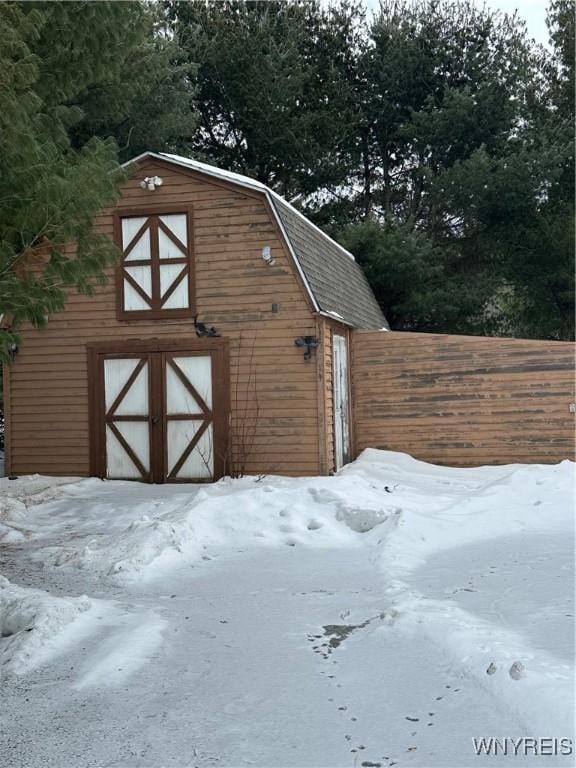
(155,277)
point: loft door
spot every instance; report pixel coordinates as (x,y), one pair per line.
(341,400)
(155,275)
(160,415)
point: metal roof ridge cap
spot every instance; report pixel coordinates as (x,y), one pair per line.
(338,318)
(214,170)
(311,223)
(139,157)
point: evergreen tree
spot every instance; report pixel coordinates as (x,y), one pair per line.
(49,54)
(274,92)
(146,100)
(469,145)
(516,204)
(541,263)
(403,268)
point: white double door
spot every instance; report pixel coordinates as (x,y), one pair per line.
(158,416)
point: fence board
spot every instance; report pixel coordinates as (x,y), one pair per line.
(464,400)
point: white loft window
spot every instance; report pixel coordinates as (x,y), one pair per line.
(156,270)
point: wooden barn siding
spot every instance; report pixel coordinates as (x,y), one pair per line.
(275,393)
(328,394)
(464,400)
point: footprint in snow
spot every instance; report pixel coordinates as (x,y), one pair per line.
(323,496)
(517,670)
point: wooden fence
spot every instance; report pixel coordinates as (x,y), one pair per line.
(464,400)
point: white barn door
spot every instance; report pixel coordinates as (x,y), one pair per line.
(341,400)
(189,417)
(162,415)
(127,417)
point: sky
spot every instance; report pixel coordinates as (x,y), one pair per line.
(532,11)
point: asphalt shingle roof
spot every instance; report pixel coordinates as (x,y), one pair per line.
(337,281)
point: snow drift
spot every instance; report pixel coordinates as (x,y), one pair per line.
(35,626)
(458,549)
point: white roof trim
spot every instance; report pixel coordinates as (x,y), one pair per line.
(213,170)
(335,316)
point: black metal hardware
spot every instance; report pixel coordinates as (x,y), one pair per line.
(310,342)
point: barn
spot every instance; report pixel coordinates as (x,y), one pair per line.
(219,344)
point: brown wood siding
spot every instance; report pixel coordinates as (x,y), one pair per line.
(464,400)
(328,395)
(274,392)
(7,412)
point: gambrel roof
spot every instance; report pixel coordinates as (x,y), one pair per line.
(336,279)
(335,283)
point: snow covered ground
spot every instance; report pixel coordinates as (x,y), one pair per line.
(386,616)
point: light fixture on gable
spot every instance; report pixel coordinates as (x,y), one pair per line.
(151,182)
(267,256)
